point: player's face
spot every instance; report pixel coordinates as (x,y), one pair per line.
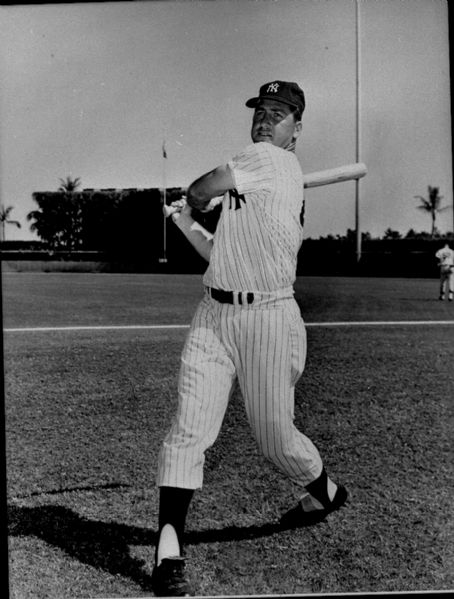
(273,122)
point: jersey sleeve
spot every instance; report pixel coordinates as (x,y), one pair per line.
(252,169)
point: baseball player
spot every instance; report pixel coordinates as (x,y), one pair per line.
(247,327)
(445,257)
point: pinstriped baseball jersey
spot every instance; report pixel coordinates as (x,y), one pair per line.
(259,232)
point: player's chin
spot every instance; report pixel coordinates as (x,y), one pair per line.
(264,138)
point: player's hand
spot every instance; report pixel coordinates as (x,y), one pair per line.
(180,207)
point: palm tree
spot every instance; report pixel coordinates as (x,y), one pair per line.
(5,220)
(69,185)
(431,205)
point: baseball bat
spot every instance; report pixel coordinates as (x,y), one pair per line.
(335,175)
(348,172)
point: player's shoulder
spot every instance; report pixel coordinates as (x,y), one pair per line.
(269,148)
(275,154)
(254,154)
(263,147)
(265,156)
(258,148)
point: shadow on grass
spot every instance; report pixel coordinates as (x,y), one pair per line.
(105,545)
(110,486)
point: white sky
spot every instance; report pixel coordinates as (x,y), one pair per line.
(91,91)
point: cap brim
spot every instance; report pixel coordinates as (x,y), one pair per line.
(252,102)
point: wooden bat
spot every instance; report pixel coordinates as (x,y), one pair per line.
(335,175)
(348,172)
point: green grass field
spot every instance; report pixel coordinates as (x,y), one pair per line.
(86,411)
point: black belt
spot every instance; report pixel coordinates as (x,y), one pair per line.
(228,297)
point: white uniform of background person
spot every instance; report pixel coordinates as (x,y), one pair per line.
(445,257)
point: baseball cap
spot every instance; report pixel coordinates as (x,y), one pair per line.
(287,92)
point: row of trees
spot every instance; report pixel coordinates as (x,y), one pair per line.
(389,234)
(127,221)
(431,205)
(69,219)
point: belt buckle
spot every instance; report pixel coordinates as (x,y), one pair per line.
(247,296)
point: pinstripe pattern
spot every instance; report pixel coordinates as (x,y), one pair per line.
(206,377)
(262,344)
(256,246)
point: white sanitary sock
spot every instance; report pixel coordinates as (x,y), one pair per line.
(168,544)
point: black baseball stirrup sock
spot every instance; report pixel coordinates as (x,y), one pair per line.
(173,508)
(318,488)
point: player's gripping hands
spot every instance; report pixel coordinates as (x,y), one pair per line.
(198,236)
(178,208)
(182,208)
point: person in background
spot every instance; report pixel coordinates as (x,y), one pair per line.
(445,257)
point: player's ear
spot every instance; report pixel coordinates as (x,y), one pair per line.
(297,130)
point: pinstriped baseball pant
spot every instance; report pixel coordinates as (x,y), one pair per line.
(264,346)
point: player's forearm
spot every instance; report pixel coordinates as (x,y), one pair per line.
(198,236)
(197,197)
(208,186)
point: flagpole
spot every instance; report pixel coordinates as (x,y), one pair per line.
(164,221)
(358,130)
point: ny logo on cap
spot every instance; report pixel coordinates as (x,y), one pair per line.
(273,87)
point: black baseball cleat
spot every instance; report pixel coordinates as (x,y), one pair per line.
(297,517)
(169,578)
